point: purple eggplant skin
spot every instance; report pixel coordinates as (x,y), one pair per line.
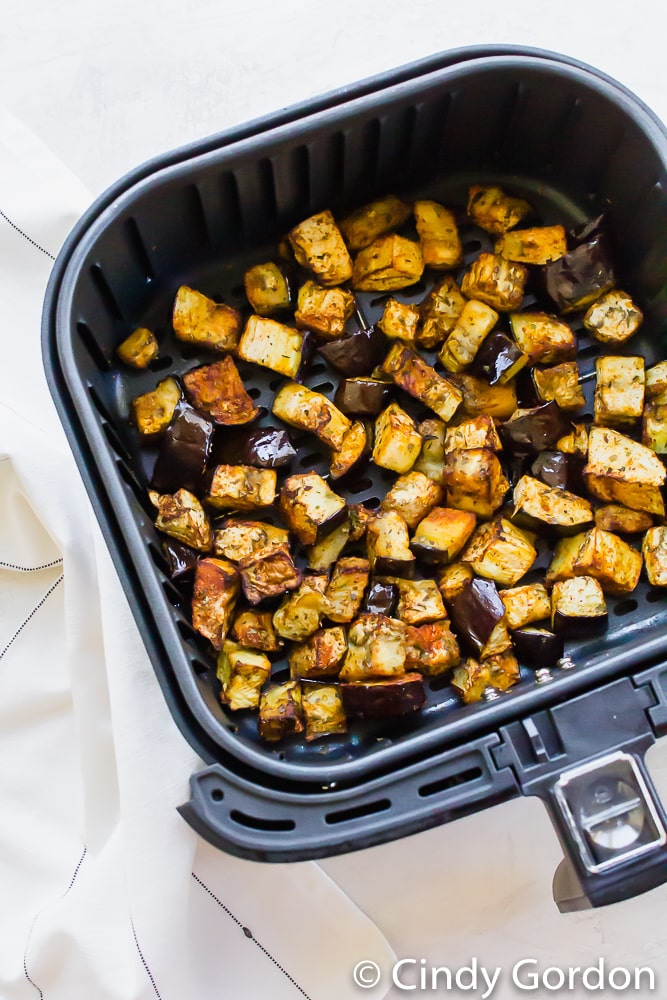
(496,356)
(381,599)
(564,472)
(384,699)
(357,354)
(386,566)
(264,448)
(536,430)
(475,612)
(580,276)
(579,626)
(538,647)
(526,393)
(181,559)
(184,451)
(362,397)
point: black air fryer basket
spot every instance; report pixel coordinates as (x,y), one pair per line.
(575,143)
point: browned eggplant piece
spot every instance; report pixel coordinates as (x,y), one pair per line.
(242,674)
(432,648)
(477,432)
(323,711)
(181,559)
(493,209)
(388,545)
(305,409)
(615,517)
(400,321)
(537,429)
(216,587)
(496,281)
(412,496)
(184,451)
(480,398)
(499,359)
(254,629)
(181,516)
(381,599)
(237,539)
(538,647)
(654,551)
(500,551)
(319,656)
(453,579)
(578,608)
(264,447)
(420,602)
(354,451)
(376,648)
(397,441)
(152,411)
(544,338)
(269,572)
(525,605)
(472,677)
(389,263)
(541,508)
(475,611)
(560,383)
(563,472)
(412,374)
(623,471)
(358,354)
(363,226)
(309,507)
(325,311)
(267,288)
(580,276)
(384,699)
(300,613)
(438,235)
(441,535)
(537,245)
(218,391)
(139,349)
(474,481)
(346,588)
(613,318)
(362,397)
(318,245)
(241,487)
(272,345)
(199,320)
(439,311)
(280,711)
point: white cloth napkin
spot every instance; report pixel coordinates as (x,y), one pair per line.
(107,894)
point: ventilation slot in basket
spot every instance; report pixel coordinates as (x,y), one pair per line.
(139,249)
(94,350)
(451,781)
(108,298)
(259,823)
(358,812)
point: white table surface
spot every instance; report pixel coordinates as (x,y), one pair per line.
(108,86)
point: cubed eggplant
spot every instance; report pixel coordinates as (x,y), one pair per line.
(494,210)
(376,648)
(323,711)
(139,349)
(181,516)
(615,517)
(318,245)
(578,608)
(500,551)
(363,397)
(543,508)
(420,602)
(537,647)
(412,374)
(214,593)
(499,359)
(580,276)
(614,318)
(389,263)
(654,551)
(354,451)
(432,649)
(472,677)
(184,451)
(265,448)
(623,471)
(384,699)
(475,611)
(218,391)
(269,573)
(441,535)
(560,383)
(319,656)
(358,354)
(346,588)
(388,545)
(152,412)
(453,579)
(242,674)
(181,559)
(267,288)
(412,496)
(280,711)
(563,472)
(255,630)
(526,605)
(364,225)
(309,507)
(381,599)
(537,429)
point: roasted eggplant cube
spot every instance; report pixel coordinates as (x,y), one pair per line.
(610,560)
(353,451)
(432,649)
(412,374)
(474,481)
(438,235)
(376,648)
(152,411)
(326,551)
(580,276)
(381,599)
(561,471)
(537,507)
(237,540)
(309,507)
(535,429)
(613,318)
(254,629)
(576,442)
(499,359)
(622,520)
(564,559)
(473,325)
(300,614)
(272,345)
(363,226)
(241,487)
(320,656)
(323,310)
(397,440)
(538,245)
(412,496)
(560,383)
(623,471)
(319,246)
(280,712)
(578,607)
(384,699)
(267,288)
(323,711)
(654,550)
(475,607)
(356,354)
(199,320)
(218,391)
(654,427)
(480,398)
(269,572)
(400,321)
(431,459)
(242,674)
(440,312)
(453,579)
(525,605)
(264,447)
(181,559)
(442,534)
(346,588)
(214,593)
(478,432)
(389,263)
(619,390)
(184,451)
(181,516)
(656,382)
(544,338)
(310,411)
(494,210)
(473,677)
(538,647)
(139,349)
(363,397)
(419,602)
(498,642)
(500,552)
(388,545)
(496,281)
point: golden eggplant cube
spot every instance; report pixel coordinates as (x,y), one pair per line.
(501,552)
(237,540)
(613,318)
(218,391)
(399,321)
(656,382)
(654,550)
(477,432)
(525,605)
(496,281)
(419,602)
(537,245)
(431,459)
(472,327)
(241,487)
(319,246)
(242,674)
(619,390)
(453,579)
(309,507)
(438,235)
(310,411)
(139,349)
(474,481)
(537,506)
(412,496)
(494,210)
(152,411)
(320,656)
(654,427)
(614,517)
(575,443)
(610,561)
(323,310)
(439,312)
(199,320)
(376,648)
(578,607)
(363,226)
(254,629)
(473,677)
(544,338)
(273,345)
(268,573)
(181,516)
(442,534)
(397,440)
(560,383)
(409,371)
(480,398)
(498,642)
(300,614)
(346,588)
(354,447)
(620,470)
(280,711)
(214,593)
(323,711)
(388,545)
(389,263)
(432,649)
(267,289)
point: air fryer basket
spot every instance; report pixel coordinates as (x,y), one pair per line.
(575,144)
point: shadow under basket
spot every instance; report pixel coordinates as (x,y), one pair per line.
(574,143)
